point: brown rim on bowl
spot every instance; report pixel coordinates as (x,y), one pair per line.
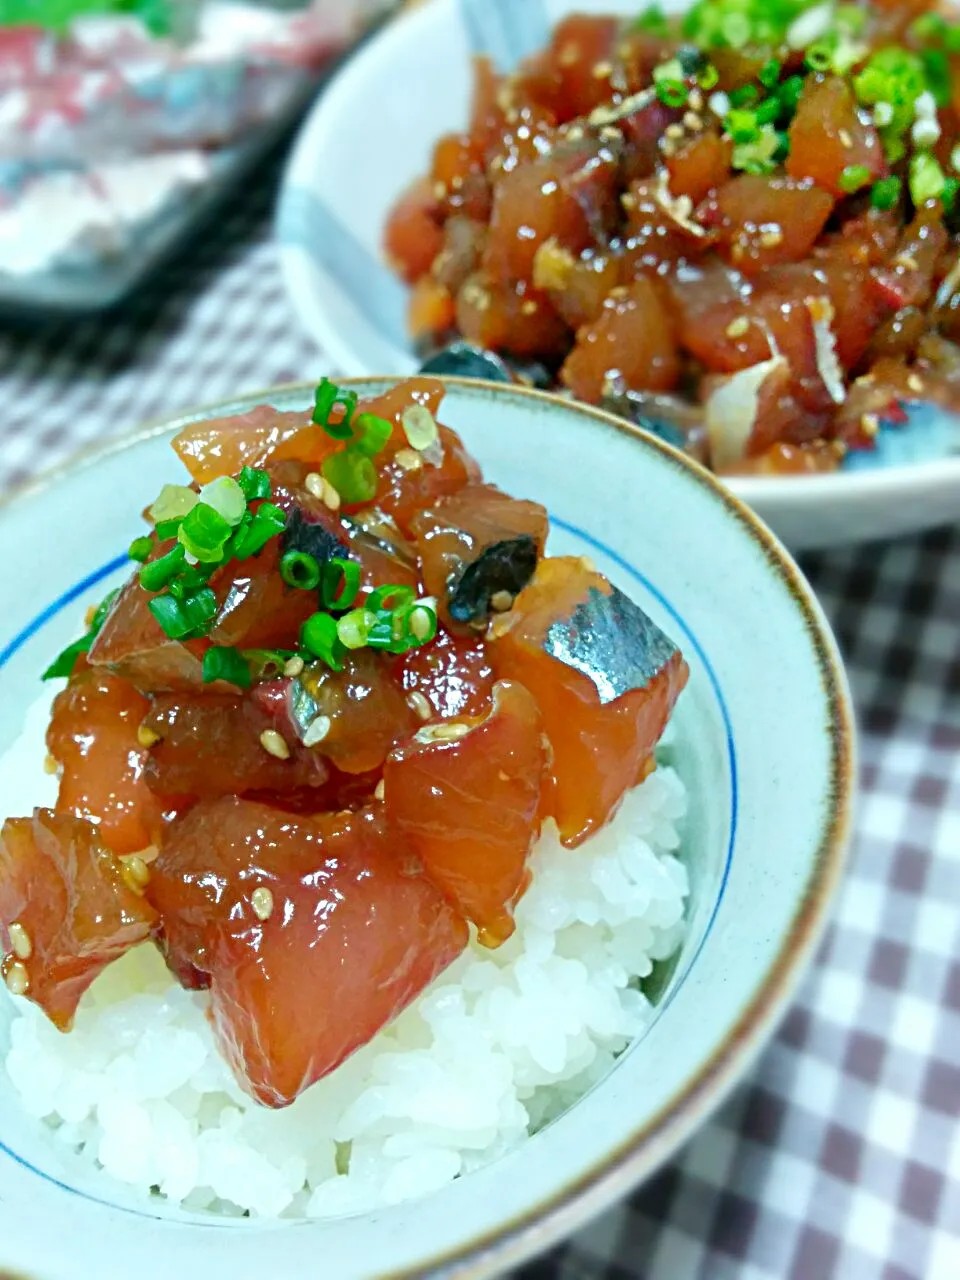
(652,1143)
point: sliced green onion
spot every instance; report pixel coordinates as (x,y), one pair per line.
(199,608)
(318,636)
(769,73)
(819,56)
(298,569)
(155,575)
(254,483)
(63,665)
(853,177)
(170,615)
(226,497)
(708,77)
(745,96)
(174,502)
(927,179)
(267,521)
(937,68)
(341,582)
(789,93)
(672,93)
(65,662)
(672,70)
(768,111)
(653,20)
(353,628)
(951,188)
(165,529)
(327,395)
(140,548)
(851,17)
(886,193)
(267,664)
(929,26)
(951,38)
(422,623)
(741,125)
(204,533)
(103,608)
(372,433)
(390,598)
(191,579)
(736,30)
(224,663)
(352,474)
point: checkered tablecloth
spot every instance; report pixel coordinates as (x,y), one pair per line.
(841,1155)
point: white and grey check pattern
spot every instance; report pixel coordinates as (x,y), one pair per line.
(840,1157)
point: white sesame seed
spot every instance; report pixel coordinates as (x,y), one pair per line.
(50,764)
(419,426)
(293,666)
(528,307)
(331,496)
(449,731)
(17,979)
(846,138)
(317,731)
(925,133)
(915,382)
(274,744)
(379,790)
(146,736)
(418,702)
(314,483)
(719,104)
(409,459)
(135,872)
(262,902)
(769,239)
(674,131)
(737,328)
(882,114)
(501,601)
(20,941)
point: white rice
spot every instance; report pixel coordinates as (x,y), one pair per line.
(497,1046)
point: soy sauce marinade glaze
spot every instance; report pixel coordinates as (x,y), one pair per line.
(315,736)
(737,225)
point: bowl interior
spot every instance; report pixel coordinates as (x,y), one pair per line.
(762,742)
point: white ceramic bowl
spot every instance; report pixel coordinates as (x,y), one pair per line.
(373,131)
(764,743)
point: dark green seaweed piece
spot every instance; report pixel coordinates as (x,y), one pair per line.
(612,641)
(502,566)
(312,539)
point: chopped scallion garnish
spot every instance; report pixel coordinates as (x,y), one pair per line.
(327,396)
(158,573)
(140,549)
(853,177)
(885,193)
(769,73)
(298,569)
(318,636)
(254,483)
(927,179)
(63,665)
(203,533)
(221,662)
(672,93)
(352,474)
(341,583)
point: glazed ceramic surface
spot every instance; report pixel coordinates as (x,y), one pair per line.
(763,742)
(352,161)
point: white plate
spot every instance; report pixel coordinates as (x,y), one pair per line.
(763,741)
(373,131)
